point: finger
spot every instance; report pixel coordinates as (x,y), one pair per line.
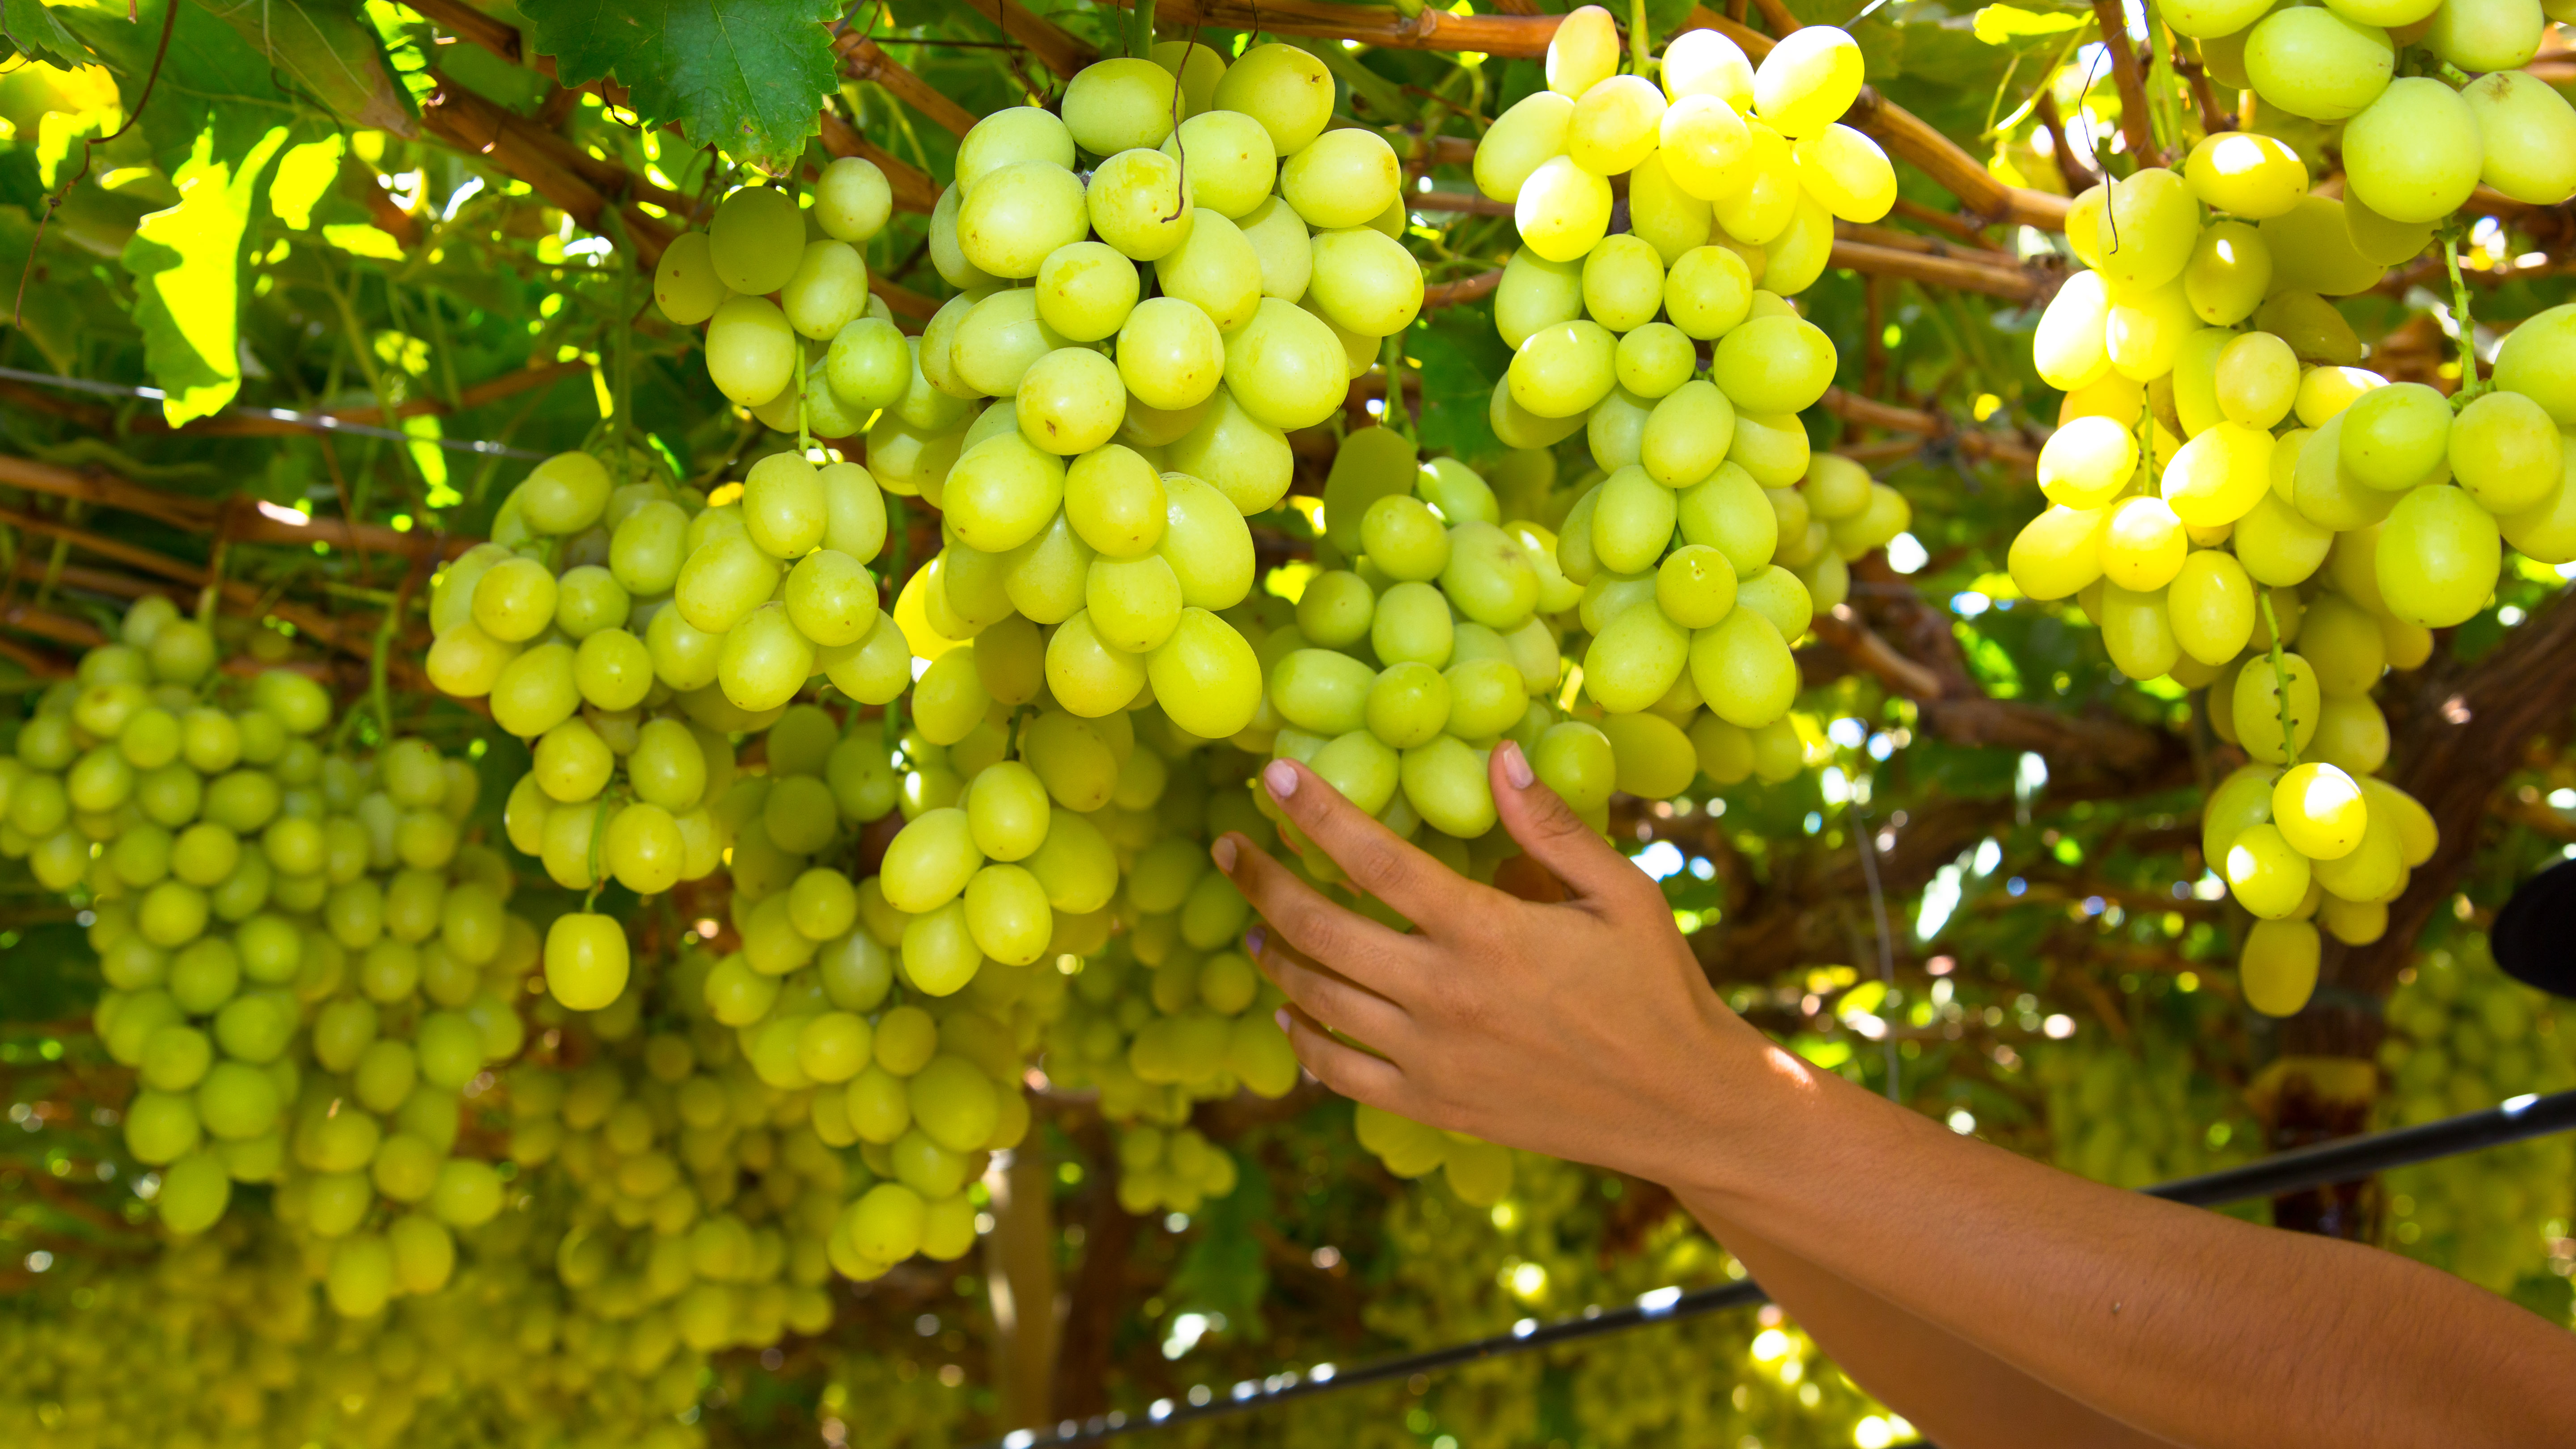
(1552,833)
(1376,859)
(1346,1069)
(1369,954)
(1327,996)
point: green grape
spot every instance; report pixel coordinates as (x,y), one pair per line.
(2211,607)
(1562,210)
(1616,124)
(1408,705)
(2394,437)
(2243,173)
(2278,967)
(1762,206)
(2087,463)
(1115,502)
(1635,658)
(2538,360)
(2344,644)
(2256,380)
(1654,757)
(2268,877)
(2137,633)
(2229,273)
(646,551)
(2068,349)
(2256,706)
(1365,282)
(1284,368)
(1232,162)
(1085,291)
(1280,239)
(1532,131)
(1774,364)
(2317,64)
(1744,669)
(1490,576)
(1705,145)
(756,240)
(1321,691)
(831,598)
(2527,132)
(852,200)
(1011,134)
(515,601)
(1727,512)
(1120,103)
(869,365)
(1847,173)
(997,341)
(1017,213)
(684,656)
(2412,154)
(1708,292)
(2503,450)
(1001,493)
(573,762)
(1445,782)
(1342,178)
(2487,35)
(939,951)
(2438,557)
(1215,268)
(1287,90)
(1007,913)
(2143,332)
(1205,676)
(685,284)
(1134,604)
(2214,479)
(751,350)
(1170,354)
(828,290)
(564,494)
(2313,251)
(1536,293)
(1068,402)
(2320,812)
(783,508)
(1808,80)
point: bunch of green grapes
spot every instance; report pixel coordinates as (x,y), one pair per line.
(1708,505)
(2225,483)
(2466,1038)
(266,915)
(2414,146)
(2132,1115)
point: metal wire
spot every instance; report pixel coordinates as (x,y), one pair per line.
(2331,1162)
(311,422)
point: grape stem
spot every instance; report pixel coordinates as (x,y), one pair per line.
(1391,411)
(2470,383)
(598,832)
(1640,43)
(804,428)
(2280,682)
(1141,39)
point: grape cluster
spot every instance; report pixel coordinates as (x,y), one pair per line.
(2136,1114)
(2466,1038)
(2226,483)
(305,963)
(1710,508)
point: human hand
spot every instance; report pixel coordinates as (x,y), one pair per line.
(1582,1028)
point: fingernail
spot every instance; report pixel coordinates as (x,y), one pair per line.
(1223,852)
(1516,767)
(1281,1017)
(1254,940)
(1281,777)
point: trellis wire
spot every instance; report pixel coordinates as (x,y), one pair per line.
(311,422)
(2518,1119)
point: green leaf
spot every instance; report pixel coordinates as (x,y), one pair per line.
(329,53)
(2003,24)
(31,29)
(186,263)
(745,75)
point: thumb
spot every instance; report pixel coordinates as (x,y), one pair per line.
(1549,829)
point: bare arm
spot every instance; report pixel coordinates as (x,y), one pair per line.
(1585,1029)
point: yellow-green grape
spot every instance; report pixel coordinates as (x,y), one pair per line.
(2486,35)
(1847,172)
(765,660)
(1664,216)
(831,598)
(2313,250)
(827,291)
(2278,968)
(1014,133)
(1412,623)
(1284,367)
(1623,283)
(1069,401)
(1446,783)
(2087,463)
(1532,131)
(1744,669)
(2317,64)
(2143,545)
(2067,347)
(852,200)
(685,284)
(1655,759)
(1705,145)
(2527,132)
(2538,360)
(2211,605)
(1632,521)
(1321,691)
(1132,604)
(586,960)
(1562,370)
(1087,674)
(2244,798)
(2147,229)
(1120,103)
(2394,437)
(2257,711)
(1086,290)
(1704,62)
(1708,292)
(2266,874)
(1808,80)
(930,861)
(1763,203)
(1562,211)
(2505,452)
(2413,154)
(1232,164)
(2545,533)
(1408,705)
(1341,178)
(1288,91)
(1115,502)
(2245,174)
(1404,538)
(1583,51)
(1490,577)
(784,509)
(1486,697)
(2344,643)
(2216,478)
(751,351)
(1170,354)
(2325,492)
(756,240)
(2136,632)
(1285,246)
(2143,332)
(1007,914)
(2438,557)
(1654,360)
(1536,293)
(2058,553)
(1729,513)
(1615,124)
(2229,273)
(1774,364)
(1137,203)
(536,691)
(1215,268)
(1635,658)
(2320,811)
(997,341)
(2257,379)
(1018,213)
(1205,676)
(1001,493)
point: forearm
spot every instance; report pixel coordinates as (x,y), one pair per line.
(2192,1326)
(1959,1395)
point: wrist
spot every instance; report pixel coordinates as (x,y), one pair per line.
(1725,1094)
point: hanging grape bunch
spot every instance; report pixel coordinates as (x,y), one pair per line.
(1712,509)
(2226,483)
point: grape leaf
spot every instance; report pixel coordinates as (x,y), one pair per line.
(746,75)
(186,263)
(28,28)
(326,50)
